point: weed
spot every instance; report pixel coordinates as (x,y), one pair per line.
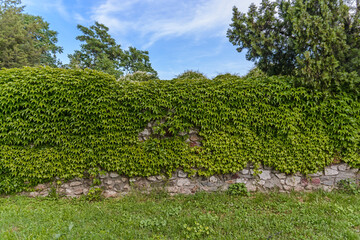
(94,194)
(154,223)
(198,231)
(349,186)
(238,189)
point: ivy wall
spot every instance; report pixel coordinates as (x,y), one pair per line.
(63,123)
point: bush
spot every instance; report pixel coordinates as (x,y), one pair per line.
(63,123)
(238,189)
(226,76)
(190,74)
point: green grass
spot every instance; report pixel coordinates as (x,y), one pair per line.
(201,216)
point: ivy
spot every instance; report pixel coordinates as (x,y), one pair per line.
(61,123)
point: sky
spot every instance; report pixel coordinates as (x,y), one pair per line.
(179,35)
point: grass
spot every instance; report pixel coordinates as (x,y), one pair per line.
(317,215)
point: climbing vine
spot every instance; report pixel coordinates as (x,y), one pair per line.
(61,123)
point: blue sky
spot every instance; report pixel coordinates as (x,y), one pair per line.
(179,35)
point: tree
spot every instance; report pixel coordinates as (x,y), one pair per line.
(45,40)
(25,40)
(191,74)
(101,52)
(134,60)
(314,39)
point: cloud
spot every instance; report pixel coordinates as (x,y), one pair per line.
(155,20)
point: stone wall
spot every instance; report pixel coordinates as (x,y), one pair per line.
(114,185)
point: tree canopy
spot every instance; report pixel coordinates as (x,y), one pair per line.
(25,40)
(315,39)
(101,52)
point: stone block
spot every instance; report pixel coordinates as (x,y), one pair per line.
(183,182)
(269,185)
(213,179)
(109,181)
(102,176)
(280,175)
(193,131)
(126,187)
(251,187)
(194,138)
(76,183)
(44,192)
(343,167)
(161,177)
(182,133)
(40,187)
(328,181)
(146,132)
(262,182)
(265,175)
(267,168)
(276,182)
(346,175)
(77,190)
(34,194)
(152,179)
(181,174)
(316,181)
(317,174)
(114,175)
(330,172)
(292,181)
(110,194)
(304,182)
(245,171)
(334,167)
(240,180)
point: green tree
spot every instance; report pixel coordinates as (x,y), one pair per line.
(314,39)
(25,40)
(191,74)
(134,60)
(101,52)
(45,40)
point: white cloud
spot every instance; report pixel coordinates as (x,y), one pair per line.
(159,19)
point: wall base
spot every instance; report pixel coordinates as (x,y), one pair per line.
(115,185)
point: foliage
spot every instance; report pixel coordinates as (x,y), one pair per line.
(94,194)
(226,76)
(25,40)
(255,73)
(138,76)
(278,216)
(134,60)
(101,52)
(190,74)
(198,231)
(63,123)
(314,39)
(238,189)
(349,186)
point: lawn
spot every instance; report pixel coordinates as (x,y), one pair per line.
(316,215)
